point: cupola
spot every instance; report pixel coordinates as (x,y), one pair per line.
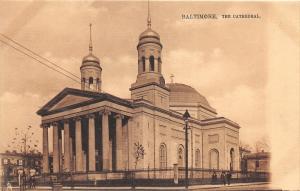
(91,70)
(150,83)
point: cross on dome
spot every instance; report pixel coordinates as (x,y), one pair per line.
(172,78)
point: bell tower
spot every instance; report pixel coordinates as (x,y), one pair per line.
(91,70)
(150,83)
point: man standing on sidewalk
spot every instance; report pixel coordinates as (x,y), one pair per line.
(223,178)
(228,177)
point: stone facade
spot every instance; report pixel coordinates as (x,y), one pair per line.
(99,131)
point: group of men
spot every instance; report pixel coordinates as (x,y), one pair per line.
(225,177)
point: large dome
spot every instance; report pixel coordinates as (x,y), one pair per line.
(186,94)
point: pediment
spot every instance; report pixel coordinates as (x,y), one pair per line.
(69,100)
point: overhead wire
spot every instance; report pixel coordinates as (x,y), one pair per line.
(39,61)
(36,54)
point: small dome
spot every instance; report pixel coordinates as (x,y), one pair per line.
(149,36)
(149,33)
(186,94)
(90,60)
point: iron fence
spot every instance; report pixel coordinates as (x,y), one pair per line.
(145,177)
(149,177)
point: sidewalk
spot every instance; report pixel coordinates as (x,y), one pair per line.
(202,187)
(231,185)
(194,187)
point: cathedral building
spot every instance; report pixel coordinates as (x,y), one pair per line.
(95,131)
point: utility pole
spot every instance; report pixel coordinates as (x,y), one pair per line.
(186,117)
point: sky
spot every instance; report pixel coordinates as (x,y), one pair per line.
(232,62)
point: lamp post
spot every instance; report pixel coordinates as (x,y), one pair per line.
(186,117)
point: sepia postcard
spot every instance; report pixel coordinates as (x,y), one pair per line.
(149,95)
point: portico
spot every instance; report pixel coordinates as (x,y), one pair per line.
(87,141)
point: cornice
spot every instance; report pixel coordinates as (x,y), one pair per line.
(219,120)
(99,97)
(149,84)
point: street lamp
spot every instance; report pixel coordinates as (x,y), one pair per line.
(186,117)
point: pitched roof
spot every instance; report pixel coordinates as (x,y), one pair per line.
(93,98)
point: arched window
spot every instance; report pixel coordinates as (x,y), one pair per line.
(144,63)
(214,159)
(231,159)
(90,82)
(163,156)
(197,159)
(180,155)
(151,60)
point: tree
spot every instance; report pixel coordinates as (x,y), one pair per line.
(25,143)
(245,146)
(139,153)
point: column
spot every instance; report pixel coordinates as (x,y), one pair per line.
(155,65)
(71,155)
(130,144)
(119,142)
(147,64)
(67,159)
(92,159)
(105,140)
(110,162)
(60,154)
(78,143)
(84,166)
(45,149)
(55,148)
(125,146)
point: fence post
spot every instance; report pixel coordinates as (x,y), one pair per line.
(133,180)
(175,173)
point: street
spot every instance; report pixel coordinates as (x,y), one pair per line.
(240,187)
